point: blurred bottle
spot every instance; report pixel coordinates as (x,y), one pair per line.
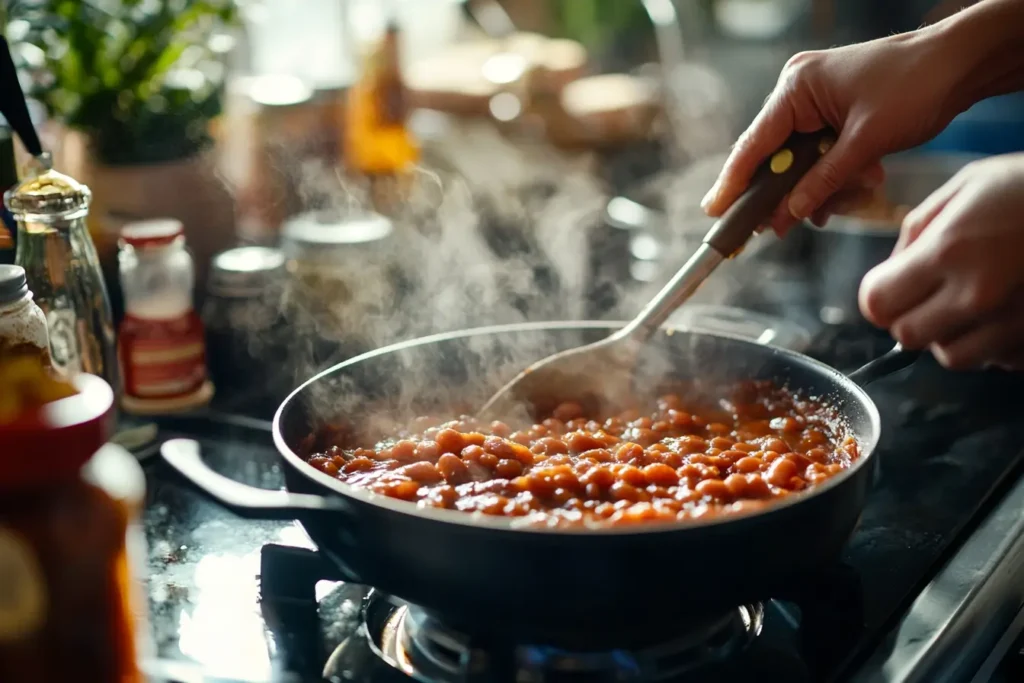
(378,146)
(161,346)
(72,548)
(63,270)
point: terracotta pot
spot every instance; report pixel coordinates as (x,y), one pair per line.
(190,190)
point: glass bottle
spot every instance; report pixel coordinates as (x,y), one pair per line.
(63,270)
(377,143)
(72,551)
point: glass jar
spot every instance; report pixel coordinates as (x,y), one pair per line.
(22,322)
(246,335)
(70,545)
(161,345)
(342,284)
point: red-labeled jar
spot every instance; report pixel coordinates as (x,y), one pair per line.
(71,600)
(161,343)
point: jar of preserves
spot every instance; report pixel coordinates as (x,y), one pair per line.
(161,345)
(22,322)
(70,540)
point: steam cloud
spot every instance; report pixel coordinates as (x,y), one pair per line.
(493,233)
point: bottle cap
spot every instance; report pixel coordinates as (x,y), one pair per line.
(48,195)
(156,232)
(13,284)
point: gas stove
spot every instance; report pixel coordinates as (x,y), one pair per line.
(395,641)
(930,587)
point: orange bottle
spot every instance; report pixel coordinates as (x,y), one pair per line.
(377,143)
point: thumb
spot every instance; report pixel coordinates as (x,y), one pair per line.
(829,174)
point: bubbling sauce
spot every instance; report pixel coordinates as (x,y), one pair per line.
(667,459)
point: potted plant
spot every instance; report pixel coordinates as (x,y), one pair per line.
(140,81)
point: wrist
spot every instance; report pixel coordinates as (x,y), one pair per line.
(982,48)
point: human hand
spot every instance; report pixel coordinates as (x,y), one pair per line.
(882,96)
(955,281)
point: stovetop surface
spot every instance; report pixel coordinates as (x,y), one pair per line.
(950,446)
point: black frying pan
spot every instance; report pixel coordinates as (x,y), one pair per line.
(620,586)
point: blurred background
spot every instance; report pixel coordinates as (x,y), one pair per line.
(397,168)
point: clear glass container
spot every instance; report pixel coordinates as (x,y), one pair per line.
(63,270)
(341,277)
(157,272)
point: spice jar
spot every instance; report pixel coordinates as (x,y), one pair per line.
(22,322)
(70,608)
(246,338)
(342,278)
(161,346)
(63,270)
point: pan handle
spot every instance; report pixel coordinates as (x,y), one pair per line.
(894,360)
(246,501)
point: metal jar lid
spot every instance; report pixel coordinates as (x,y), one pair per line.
(244,271)
(48,195)
(13,284)
(322,237)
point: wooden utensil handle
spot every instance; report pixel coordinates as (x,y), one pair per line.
(772,181)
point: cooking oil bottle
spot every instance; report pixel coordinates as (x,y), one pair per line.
(378,145)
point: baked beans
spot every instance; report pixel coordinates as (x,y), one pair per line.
(667,460)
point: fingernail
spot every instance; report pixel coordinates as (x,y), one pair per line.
(800,206)
(710,196)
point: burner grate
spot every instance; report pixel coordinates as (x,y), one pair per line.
(421,646)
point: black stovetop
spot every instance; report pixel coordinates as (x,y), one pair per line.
(950,446)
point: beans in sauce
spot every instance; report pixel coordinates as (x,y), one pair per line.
(671,459)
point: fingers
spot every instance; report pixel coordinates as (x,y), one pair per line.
(860,193)
(1013,362)
(848,156)
(764,136)
(999,339)
(921,216)
(873,175)
(937,319)
(846,201)
(894,287)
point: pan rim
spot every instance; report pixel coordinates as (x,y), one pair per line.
(508,524)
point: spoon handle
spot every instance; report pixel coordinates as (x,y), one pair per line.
(772,181)
(775,178)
